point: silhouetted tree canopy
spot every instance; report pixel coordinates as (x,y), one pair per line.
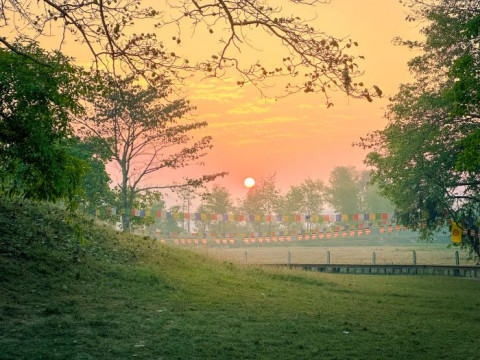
(155,40)
(143,134)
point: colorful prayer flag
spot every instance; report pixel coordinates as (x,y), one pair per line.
(456,233)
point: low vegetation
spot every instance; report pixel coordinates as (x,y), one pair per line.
(72,288)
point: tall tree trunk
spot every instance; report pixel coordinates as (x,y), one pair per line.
(473,233)
(474,241)
(126,202)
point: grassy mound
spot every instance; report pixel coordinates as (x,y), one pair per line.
(71,288)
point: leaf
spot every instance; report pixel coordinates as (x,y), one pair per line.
(378,91)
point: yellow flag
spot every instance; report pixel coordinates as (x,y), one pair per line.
(456,233)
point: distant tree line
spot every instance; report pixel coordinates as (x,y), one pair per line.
(348,191)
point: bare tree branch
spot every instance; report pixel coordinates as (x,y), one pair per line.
(144,134)
(313,60)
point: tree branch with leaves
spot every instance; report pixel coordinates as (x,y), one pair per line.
(312,60)
(426,159)
(144,134)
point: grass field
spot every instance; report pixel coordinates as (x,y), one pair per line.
(426,254)
(71,289)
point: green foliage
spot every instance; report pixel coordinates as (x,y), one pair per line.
(152,200)
(306,198)
(344,192)
(97,193)
(172,225)
(426,159)
(120,296)
(263,198)
(351,191)
(216,201)
(39,91)
(469,157)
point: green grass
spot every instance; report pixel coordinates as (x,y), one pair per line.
(74,289)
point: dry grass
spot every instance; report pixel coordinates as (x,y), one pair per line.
(426,254)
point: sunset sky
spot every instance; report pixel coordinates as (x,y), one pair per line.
(297,137)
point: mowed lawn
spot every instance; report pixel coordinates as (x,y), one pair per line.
(73,289)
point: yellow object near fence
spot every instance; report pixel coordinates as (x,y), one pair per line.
(456,233)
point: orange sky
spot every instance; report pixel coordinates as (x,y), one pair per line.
(297,137)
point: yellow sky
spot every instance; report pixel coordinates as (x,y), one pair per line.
(297,137)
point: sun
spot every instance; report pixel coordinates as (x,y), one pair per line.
(249,182)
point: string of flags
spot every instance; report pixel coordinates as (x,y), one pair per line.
(265,238)
(270,237)
(340,225)
(315,218)
(325,232)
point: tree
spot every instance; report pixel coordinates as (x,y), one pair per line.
(97,193)
(186,195)
(217,201)
(343,192)
(157,224)
(143,134)
(145,204)
(352,191)
(311,59)
(262,199)
(165,226)
(313,196)
(39,93)
(426,159)
(371,199)
(306,198)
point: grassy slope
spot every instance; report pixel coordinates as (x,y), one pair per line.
(72,289)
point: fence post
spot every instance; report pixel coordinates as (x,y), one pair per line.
(457,259)
(289,258)
(414,255)
(373,258)
(328,257)
(245,257)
